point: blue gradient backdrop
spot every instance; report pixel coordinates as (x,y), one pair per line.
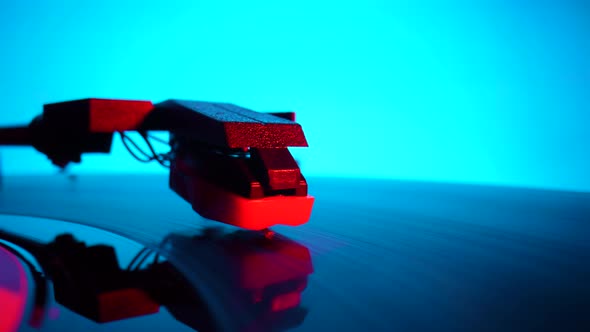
(481,92)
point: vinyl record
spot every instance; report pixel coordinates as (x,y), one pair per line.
(113,252)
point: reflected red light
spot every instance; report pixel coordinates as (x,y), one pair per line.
(53,313)
(260,269)
(13,291)
(37,317)
(286,301)
(125,303)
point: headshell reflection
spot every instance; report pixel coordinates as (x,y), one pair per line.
(240,281)
(251,282)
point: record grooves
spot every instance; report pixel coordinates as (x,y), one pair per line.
(376,255)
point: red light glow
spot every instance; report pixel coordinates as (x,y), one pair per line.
(13,291)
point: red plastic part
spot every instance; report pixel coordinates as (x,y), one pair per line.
(13,291)
(108,115)
(285,115)
(215,203)
(224,125)
(281,170)
(97,115)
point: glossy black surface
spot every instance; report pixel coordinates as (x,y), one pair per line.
(386,255)
(53,315)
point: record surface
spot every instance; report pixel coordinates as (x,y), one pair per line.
(375,256)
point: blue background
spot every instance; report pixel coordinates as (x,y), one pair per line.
(481,92)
